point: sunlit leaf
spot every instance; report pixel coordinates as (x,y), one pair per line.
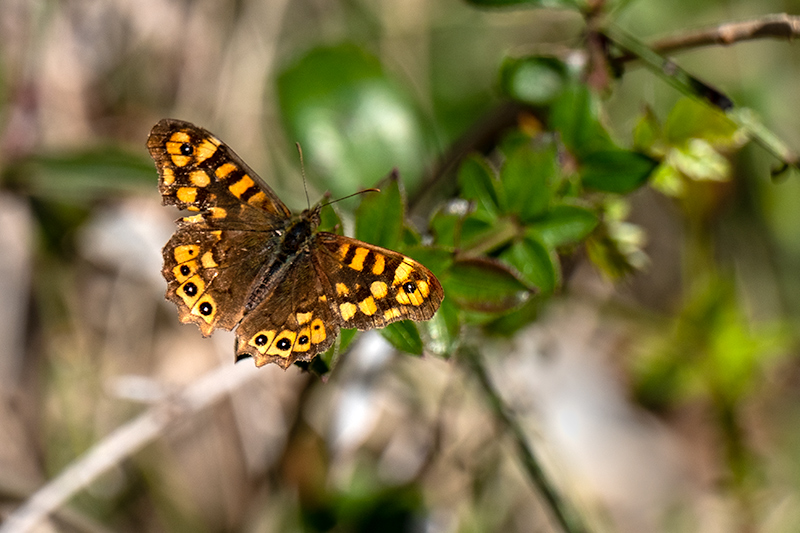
(404,336)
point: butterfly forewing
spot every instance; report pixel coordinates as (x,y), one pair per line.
(371,287)
(199,172)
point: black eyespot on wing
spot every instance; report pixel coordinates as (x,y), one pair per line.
(186,149)
(261,340)
(409,287)
(284,344)
(206,309)
(185,270)
(303,339)
(190,289)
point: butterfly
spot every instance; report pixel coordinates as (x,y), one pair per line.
(245,261)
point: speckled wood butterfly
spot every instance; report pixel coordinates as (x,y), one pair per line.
(245,261)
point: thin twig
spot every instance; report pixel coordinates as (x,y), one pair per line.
(567,518)
(778,26)
(125,441)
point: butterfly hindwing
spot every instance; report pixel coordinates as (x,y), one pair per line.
(293,323)
(204,272)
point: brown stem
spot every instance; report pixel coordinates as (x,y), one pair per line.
(778,26)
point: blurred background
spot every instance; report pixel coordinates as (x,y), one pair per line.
(666,401)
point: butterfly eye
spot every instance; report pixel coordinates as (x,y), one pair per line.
(186,149)
(409,287)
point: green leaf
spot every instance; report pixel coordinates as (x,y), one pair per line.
(478,183)
(354,123)
(617,171)
(565,224)
(692,119)
(379,216)
(533,80)
(526,178)
(575,116)
(444,329)
(329,220)
(404,336)
(647,132)
(535,263)
(485,285)
(84,176)
(436,259)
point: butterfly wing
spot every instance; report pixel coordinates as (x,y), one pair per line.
(293,323)
(199,172)
(215,255)
(371,287)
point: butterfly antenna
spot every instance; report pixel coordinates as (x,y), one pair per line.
(303,172)
(351,195)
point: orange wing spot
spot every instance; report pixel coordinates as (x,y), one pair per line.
(423,288)
(186,195)
(367,306)
(304,318)
(282,345)
(217,234)
(185,271)
(342,290)
(208,260)
(191,290)
(206,149)
(205,308)
(358,259)
(347,310)
(318,331)
(262,340)
(343,249)
(380,264)
(179,137)
(258,199)
(181,160)
(412,298)
(167,176)
(223,171)
(391,314)
(194,219)
(244,183)
(185,252)
(323,298)
(403,271)
(303,341)
(199,178)
(378,289)
(218,212)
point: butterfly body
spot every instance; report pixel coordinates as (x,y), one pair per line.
(245,262)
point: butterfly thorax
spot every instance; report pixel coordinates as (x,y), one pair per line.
(295,241)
